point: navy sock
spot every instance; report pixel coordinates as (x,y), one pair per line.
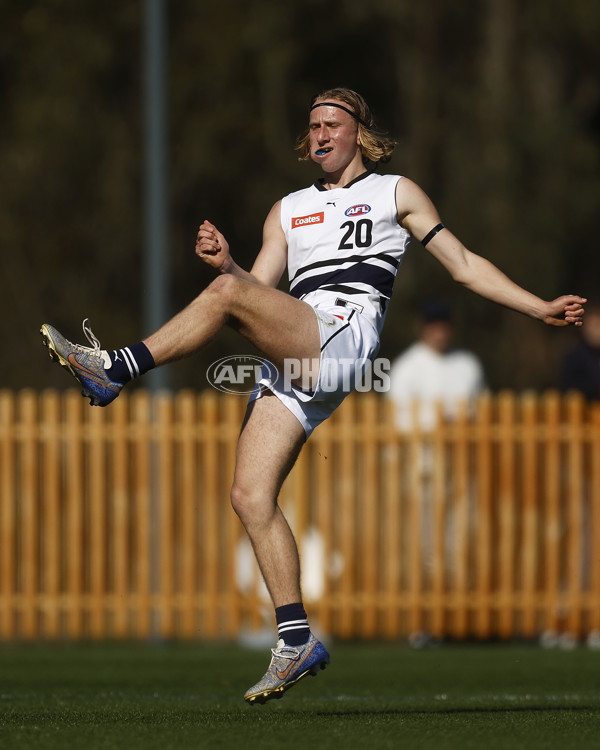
(292,624)
(130,363)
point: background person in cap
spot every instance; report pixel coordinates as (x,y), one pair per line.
(430,372)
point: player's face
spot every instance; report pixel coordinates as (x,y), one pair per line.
(334,140)
(437,334)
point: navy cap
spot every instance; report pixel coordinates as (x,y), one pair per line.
(435,311)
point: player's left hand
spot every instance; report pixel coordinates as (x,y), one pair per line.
(567,310)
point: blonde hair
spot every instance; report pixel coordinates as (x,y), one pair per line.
(375,145)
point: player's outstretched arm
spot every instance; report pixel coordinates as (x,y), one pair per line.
(484,278)
(417,213)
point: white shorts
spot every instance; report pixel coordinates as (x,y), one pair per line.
(348,344)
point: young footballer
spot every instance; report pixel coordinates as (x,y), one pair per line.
(341,240)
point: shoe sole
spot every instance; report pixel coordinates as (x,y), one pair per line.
(277,693)
(56,357)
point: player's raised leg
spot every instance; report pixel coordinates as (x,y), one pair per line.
(279,325)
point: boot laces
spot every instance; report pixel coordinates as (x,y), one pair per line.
(95,347)
(281,651)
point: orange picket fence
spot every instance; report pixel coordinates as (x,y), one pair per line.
(115,523)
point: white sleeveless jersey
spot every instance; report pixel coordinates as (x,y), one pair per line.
(345,245)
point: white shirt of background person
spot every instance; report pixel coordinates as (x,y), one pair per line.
(429,372)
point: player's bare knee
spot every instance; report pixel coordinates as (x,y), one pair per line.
(223,291)
(225,287)
(251,507)
(241,502)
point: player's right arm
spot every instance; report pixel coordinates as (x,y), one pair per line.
(270,262)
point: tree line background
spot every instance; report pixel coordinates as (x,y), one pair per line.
(495,104)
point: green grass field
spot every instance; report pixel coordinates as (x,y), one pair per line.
(135,696)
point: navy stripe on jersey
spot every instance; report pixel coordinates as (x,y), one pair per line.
(379,278)
(345,289)
(394,262)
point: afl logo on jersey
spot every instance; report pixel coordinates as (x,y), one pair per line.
(360,208)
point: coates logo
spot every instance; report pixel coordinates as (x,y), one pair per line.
(357,210)
(302,221)
(239,373)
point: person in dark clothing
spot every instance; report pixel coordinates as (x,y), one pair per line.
(580,366)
